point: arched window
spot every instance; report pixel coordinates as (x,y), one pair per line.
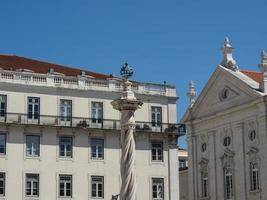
(204,184)
(228,183)
(254,177)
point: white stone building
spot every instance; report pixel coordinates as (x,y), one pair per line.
(59,135)
(226,133)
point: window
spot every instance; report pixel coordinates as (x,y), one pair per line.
(97,149)
(33,108)
(224,94)
(97,187)
(32,145)
(252,135)
(3,102)
(228,183)
(3,144)
(254,177)
(32,185)
(158,188)
(204,184)
(65,146)
(65,185)
(182,164)
(227,141)
(157,151)
(97,112)
(156,116)
(65,110)
(203,147)
(2,184)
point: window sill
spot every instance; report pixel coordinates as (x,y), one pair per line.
(157,163)
(33,157)
(3,156)
(255,191)
(97,160)
(31,198)
(204,198)
(65,159)
(65,198)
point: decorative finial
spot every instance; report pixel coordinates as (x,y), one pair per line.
(126,71)
(191,93)
(227,51)
(263,63)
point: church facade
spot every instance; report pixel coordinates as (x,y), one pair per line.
(226,133)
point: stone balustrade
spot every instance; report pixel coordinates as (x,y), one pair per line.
(83,82)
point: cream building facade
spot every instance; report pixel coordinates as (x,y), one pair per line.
(59,135)
(226,133)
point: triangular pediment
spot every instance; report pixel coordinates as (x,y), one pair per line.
(224,90)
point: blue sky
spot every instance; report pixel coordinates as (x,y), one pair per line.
(173,41)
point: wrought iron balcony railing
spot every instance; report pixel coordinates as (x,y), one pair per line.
(83,122)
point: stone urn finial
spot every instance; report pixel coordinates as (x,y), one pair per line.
(228,60)
(191,93)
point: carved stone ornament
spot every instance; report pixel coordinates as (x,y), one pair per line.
(203,164)
(227,158)
(253,154)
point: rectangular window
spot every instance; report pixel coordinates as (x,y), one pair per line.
(97,112)
(228,181)
(32,185)
(2,144)
(33,108)
(2,184)
(156,116)
(65,185)
(254,177)
(65,110)
(182,164)
(157,188)
(3,105)
(157,151)
(65,146)
(204,180)
(97,187)
(97,149)
(32,145)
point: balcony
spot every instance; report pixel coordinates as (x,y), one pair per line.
(87,123)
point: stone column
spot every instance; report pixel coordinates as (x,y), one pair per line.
(127,105)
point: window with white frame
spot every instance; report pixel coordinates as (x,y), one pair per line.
(157,188)
(156,116)
(157,151)
(228,183)
(97,149)
(33,108)
(2,144)
(65,185)
(33,145)
(182,163)
(3,105)
(204,184)
(97,187)
(2,184)
(32,185)
(254,177)
(65,110)
(65,146)
(97,112)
